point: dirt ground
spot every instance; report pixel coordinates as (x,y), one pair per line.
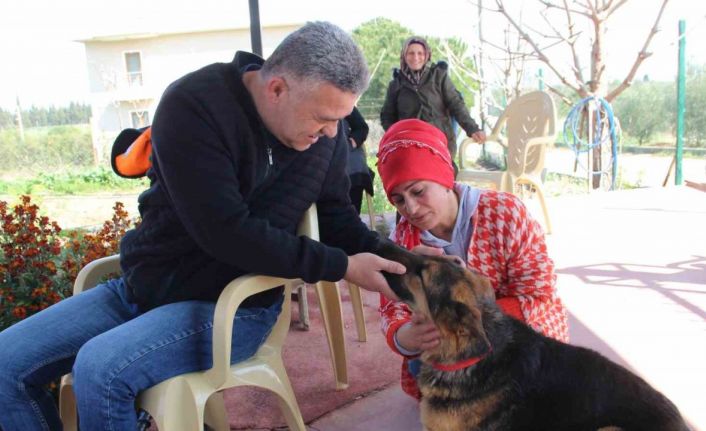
(79,211)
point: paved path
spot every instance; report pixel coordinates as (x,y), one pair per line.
(631,269)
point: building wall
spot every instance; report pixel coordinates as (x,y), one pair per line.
(115,94)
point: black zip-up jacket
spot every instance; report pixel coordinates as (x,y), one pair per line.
(226,197)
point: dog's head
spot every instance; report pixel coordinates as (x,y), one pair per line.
(449,295)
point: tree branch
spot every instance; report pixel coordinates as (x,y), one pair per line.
(560,94)
(571,40)
(610,10)
(641,56)
(540,54)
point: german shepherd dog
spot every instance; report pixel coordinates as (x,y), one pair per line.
(522,380)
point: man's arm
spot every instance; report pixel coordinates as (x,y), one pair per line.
(456,106)
(339,223)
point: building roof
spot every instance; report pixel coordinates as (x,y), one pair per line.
(154,33)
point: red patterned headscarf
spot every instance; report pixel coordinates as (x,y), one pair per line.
(414,150)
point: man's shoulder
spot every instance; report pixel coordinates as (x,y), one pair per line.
(207,75)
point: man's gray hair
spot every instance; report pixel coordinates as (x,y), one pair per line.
(320,52)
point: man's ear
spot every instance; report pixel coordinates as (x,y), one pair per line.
(276,86)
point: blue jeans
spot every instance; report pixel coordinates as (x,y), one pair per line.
(114,352)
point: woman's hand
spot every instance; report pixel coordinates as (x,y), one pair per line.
(426,250)
(419,334)
(479,136)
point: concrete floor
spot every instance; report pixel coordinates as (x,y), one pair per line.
(631,268)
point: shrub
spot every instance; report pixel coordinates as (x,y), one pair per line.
(38,265)
(30,279)
(45,148)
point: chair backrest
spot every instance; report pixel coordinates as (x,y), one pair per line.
(532,115)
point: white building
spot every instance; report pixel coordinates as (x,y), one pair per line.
(128,72)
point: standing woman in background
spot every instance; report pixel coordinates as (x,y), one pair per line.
(423,90)
(360,175)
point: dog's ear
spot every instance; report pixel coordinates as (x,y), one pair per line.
(389,250)
(482,287)
(412,262)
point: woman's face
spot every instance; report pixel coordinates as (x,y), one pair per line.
(415,56)
(426,204)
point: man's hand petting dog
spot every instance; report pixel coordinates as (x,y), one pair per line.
(358,273)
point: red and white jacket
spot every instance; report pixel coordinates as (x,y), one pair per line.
(507,246)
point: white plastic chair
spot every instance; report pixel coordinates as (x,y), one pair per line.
(186,401)
(329,297)
(530,125)
(353,290)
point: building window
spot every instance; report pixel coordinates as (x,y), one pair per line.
(133,66)
(140,119)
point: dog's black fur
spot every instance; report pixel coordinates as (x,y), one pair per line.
(524,381)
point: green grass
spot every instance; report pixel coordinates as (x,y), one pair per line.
(86,181)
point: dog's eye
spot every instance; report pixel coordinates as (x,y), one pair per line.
(459,262)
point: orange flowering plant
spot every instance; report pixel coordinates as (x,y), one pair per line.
(38,265)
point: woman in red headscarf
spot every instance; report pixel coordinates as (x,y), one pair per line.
(491,231)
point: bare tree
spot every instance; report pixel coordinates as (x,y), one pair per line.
(594,14)
(597,12)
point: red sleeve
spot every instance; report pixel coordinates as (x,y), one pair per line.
(393,314)
(511,307)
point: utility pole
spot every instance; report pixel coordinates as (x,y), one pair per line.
(20,126)
(255,29)
(681,102)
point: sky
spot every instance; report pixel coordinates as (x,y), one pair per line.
(43,64)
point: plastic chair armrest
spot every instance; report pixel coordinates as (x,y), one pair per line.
(230,299)
(90,275)
(498,139)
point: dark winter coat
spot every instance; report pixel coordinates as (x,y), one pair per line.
(226,197)
(357,169)
(435,100)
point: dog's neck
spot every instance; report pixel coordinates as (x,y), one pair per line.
(460,365)
(497,333)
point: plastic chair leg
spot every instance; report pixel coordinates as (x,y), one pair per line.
(332,317)
(215,414)
(540,194)
(286,399)
(547,222)
(357,303)
(174,406)
(303,302)
(67,405)
(371,210)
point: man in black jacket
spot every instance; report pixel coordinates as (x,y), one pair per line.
(240,151)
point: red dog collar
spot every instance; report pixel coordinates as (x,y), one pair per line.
(461,364)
